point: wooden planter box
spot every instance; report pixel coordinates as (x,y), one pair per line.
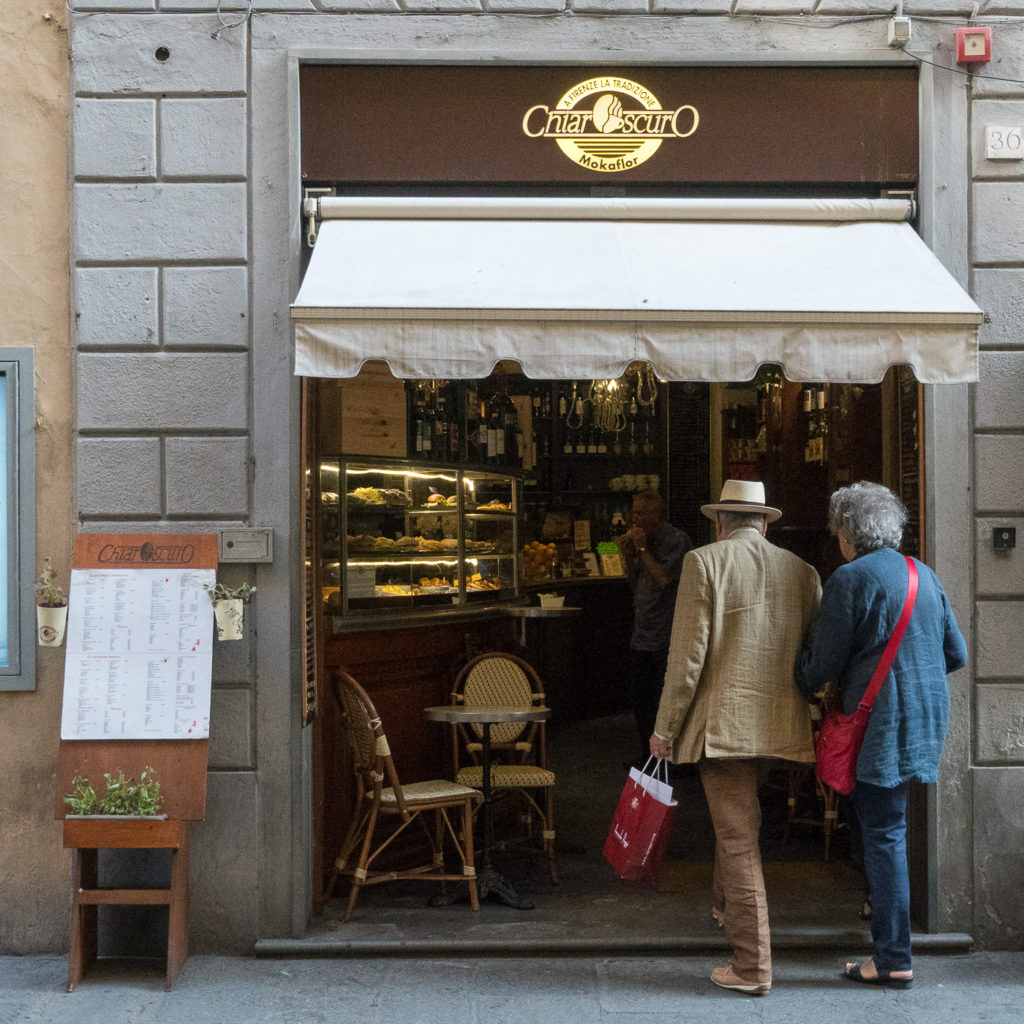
(99,832)
(181,764)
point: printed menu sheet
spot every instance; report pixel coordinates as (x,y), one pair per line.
(139,654)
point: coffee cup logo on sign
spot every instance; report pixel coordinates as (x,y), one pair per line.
(609,124)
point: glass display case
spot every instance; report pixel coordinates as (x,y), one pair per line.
(398,535)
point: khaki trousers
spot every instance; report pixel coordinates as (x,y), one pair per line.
(730,785)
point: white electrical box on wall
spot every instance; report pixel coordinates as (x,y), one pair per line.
(900,31)
(245,545)
(1004,142)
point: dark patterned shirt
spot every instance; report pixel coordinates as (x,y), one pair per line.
(653,606)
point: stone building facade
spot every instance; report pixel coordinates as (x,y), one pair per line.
(185,256)
(34,299)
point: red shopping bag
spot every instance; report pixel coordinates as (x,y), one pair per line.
(639,834)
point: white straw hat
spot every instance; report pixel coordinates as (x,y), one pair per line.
(742,496)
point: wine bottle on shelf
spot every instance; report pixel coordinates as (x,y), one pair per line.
(761,441)
(493,432)
(440,448)
(417,427)
(821,415)
(471,428)
(510,425)
(428,433)
(482,431)
(453,439)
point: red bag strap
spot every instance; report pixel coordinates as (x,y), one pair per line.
(889,654)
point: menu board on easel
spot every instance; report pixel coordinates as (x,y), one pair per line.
(139,638)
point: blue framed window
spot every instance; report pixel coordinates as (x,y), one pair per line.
(17,521)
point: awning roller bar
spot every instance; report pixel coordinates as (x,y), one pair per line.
(606,209)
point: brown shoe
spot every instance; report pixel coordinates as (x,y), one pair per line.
(726,977)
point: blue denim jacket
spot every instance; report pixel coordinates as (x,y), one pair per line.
(860,605)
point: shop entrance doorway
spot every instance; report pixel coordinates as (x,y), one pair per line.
(802,439)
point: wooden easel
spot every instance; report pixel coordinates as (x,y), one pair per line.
(179,762)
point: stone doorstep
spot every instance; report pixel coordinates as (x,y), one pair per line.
(839,940)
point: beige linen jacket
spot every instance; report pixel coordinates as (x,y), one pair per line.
(743,608)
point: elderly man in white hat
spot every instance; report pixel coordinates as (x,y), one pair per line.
(729,702)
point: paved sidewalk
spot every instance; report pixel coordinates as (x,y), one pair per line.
(980,987)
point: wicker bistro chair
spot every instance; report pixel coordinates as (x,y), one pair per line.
(518,749)
(373,767)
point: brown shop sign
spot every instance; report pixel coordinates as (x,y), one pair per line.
(609,124)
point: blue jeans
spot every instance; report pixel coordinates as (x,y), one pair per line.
(882,814)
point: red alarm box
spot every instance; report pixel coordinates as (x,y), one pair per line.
(973,45)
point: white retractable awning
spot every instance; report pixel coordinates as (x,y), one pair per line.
(706,290)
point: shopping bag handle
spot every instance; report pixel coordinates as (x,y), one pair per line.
(660,764)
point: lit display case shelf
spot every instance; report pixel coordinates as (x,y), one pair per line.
(399,535)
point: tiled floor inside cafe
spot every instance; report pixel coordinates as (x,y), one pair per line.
(591,908)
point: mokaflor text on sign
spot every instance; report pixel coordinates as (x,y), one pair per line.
(623,128)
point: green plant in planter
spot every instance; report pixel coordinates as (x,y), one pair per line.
(147,794)
(124,795)
(49,594)
(82,798)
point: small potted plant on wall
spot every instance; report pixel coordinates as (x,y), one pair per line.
(229,608)
(51,607)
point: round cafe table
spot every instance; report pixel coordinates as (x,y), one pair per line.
(489,882)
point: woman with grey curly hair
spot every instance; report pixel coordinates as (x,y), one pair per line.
(860,605)
(870,515)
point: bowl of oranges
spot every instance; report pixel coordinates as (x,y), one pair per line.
(538,559)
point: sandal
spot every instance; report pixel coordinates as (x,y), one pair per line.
(855,972)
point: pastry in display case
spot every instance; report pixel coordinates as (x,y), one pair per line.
(397,535)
